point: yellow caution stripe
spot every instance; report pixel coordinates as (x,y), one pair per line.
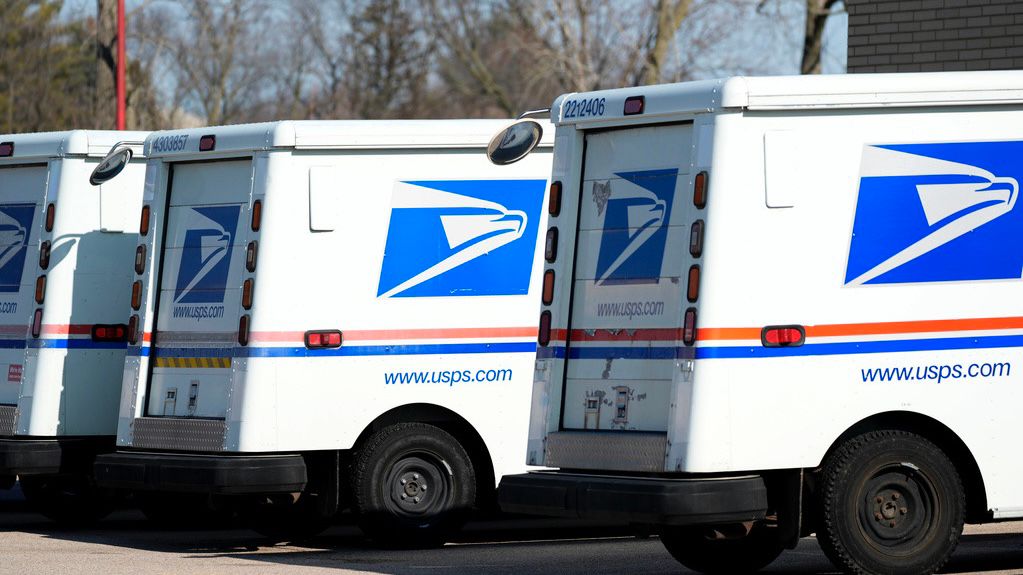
(194,362)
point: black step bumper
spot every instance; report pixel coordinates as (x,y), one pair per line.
(50,455)
(655,501)
(215,474)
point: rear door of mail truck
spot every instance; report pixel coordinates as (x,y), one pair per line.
(199,271)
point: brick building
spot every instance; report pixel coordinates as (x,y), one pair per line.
(934,35)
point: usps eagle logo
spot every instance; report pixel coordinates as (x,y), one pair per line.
(637,209)
(206,257)
(937,212)
(15,229)
(461,238)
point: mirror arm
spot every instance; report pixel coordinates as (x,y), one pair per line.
(533,113)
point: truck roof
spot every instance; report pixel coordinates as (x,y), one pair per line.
(838,91)
(45,145)
(333,134)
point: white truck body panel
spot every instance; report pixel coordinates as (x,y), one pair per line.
(399,234)
(877,211)
(63,383)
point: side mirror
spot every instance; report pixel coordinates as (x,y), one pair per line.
(514,142)
(111,165)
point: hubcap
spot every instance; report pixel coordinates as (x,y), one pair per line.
(898,508)
(419,484)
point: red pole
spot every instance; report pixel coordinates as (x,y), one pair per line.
(121,92)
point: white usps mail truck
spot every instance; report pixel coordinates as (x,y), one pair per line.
(333,314)
(64,247)
(783,306)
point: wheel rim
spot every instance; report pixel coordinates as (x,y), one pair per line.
(419,484)
(898,509)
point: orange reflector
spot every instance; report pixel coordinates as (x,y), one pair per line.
(133,329)
(144,222)
(51,213)
(323,339)
(550,250)
(693,289)
(548,287)
(554,203)
(243,330)
(207,143)
(696,239)
(140,260)
(136,295)
(247,294)
(109,332)
(700,190)
(544,336)
(6,149)
(783,336)
(37,322)
(257,214)
(44,254)
(40,288)
(250,257)
(689,327)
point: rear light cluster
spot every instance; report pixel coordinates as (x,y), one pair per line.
(550,253)
(6,149)
(695,250)
(249,285)
(44,258)
(132,329)
(109,332)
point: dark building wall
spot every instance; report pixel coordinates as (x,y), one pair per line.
(934,35)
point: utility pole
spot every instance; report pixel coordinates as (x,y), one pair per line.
(121,60)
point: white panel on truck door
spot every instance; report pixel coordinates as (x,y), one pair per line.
(200,289)
(20,192)
(629,279)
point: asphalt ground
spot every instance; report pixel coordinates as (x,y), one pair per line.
(127,543)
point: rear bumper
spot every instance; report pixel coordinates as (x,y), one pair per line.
(52,455)
(215,474)
(657,501)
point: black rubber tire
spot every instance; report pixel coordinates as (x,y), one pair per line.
(71,500)
(430,468)
(182,510)
(890,502)
(695,548)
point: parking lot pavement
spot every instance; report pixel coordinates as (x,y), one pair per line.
(127,543)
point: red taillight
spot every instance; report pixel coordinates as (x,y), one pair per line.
(40,288)
(144,221)
(247,293)
(548,287)
(37,322)
(554,203)
(250,257)
(700,190)
(136,295)
(44,254)
(257,215)
(140,260)
(783,336)
(6,149)
(133,329)
(243,330)
(207,143)
(696,239)
(544,335)
(550,250)
(634,105)
(689,327)
(109,332)
(51,213)
(693,288)
(322,339)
